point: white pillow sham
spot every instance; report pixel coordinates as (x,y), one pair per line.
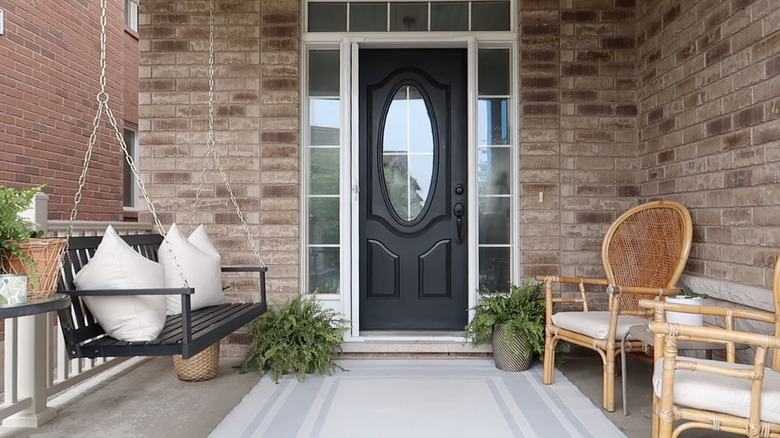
(116,265)
(200,263)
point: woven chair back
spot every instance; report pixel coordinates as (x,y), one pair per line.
(648,246)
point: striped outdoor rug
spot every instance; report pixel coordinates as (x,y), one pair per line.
(417,398)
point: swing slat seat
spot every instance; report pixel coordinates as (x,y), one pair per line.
(187,334)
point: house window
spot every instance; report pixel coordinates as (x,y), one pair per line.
(129,193)
(323,152)
(482,16)
(494,168)
(131,14)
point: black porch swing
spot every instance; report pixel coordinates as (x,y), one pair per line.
(185,334)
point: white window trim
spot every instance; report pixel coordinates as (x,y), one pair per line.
(346,301)
(134,155)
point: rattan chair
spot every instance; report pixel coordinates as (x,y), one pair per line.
(717,395)
(643,253)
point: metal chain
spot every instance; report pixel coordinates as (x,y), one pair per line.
(211,150)
(102,98)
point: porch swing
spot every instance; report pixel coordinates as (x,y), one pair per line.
(192,330)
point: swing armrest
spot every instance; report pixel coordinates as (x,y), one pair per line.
(244,269)
(118,292)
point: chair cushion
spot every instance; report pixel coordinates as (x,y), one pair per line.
(200,263)
(595,324)
(711,392)
(115,265)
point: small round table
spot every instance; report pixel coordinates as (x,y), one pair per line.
(31,357)
(35,306)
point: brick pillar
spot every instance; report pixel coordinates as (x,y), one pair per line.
(540,133)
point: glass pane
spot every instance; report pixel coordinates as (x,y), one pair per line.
(324,73)
(324,171)
(324,270)
(494,269)
(449,16)
(407,153)
(368,17)
(409,16)
(493,72)
(493,173)
(323,221)
(493,121)
(324,122)
(327,17)
(494,221)
(489,16)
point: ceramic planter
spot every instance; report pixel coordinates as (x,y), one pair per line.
(13,288)
(510,357)
(685,318)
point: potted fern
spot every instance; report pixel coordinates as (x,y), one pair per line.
(299,337)
(513,322)
(22,251)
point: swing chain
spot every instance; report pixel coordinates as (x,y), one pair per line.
(102,98)
(212,152)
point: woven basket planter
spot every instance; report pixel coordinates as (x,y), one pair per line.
(202,366)
(46,253)
(510,357)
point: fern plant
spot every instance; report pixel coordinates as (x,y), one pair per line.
(298,337)
(521,310)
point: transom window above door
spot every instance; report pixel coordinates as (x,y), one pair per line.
(477,16)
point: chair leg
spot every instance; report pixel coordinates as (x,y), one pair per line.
(655,418)
(548,373)
(609,380)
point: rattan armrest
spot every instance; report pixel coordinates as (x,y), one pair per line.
(715,334)
(753,314)
(574,280)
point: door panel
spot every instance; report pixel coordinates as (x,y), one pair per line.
(413,254)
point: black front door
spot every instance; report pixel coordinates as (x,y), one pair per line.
(413,191)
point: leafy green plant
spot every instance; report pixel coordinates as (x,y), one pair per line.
(521,310)
(298,337)
(14,228)
(689,293)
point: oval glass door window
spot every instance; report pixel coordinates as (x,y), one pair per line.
(407,153)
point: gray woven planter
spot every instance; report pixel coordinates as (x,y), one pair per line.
(510,357)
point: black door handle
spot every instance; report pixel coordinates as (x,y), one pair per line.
(459,210)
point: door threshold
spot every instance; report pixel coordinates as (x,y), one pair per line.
(411,334)
(415,342)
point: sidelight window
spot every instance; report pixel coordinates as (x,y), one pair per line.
(324,144)
(494,172)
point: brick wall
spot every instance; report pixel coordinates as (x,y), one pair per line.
(709,127)
(578,137)
(256,128)
(48,83)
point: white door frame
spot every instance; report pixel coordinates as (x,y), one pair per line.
(347,301)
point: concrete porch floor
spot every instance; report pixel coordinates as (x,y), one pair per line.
(147,400)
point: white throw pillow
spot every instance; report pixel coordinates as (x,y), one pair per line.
(200,263)
(116,265)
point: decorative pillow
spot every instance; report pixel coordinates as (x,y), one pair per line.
(116,265)
(200,263)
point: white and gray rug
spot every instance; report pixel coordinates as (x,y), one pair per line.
(417,398)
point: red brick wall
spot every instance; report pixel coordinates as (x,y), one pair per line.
(48,83)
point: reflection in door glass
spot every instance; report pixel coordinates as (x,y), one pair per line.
(407,152)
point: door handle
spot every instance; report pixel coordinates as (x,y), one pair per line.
(459,210)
